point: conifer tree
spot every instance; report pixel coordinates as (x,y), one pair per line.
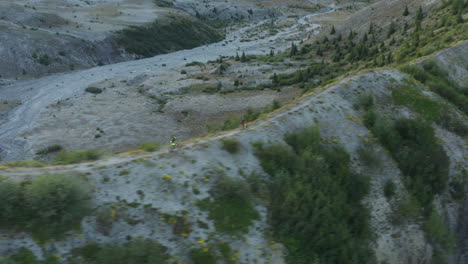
(333,31)
(293,50)
(371,28)
(275,79)
(406,12)
(391,29)
(243,57)
(420,14)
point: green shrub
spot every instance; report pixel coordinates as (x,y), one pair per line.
(25,256)
(25,164)
(231,145)
(137,251)
(251,115)
(93,90)
(422,161)
(56,203)
(47,206)
(366,101)
(437,81)
(49,149)
(368,156)
(438,232)
(314,194)
(150,146)
(163,3)
(10,197)
(389,189)
(231,209)
(199,256)
(76,156)
(410,96)
(458,185)
(408,208)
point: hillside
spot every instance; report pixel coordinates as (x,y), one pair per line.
(355,150)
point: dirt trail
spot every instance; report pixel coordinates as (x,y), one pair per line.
(122,158)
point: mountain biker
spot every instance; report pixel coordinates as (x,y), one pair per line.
(243,124)
(173,142)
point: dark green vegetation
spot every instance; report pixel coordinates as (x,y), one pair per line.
(315,201)
(220,251)
(421,159)
(249,116)
(93,90)
(163,3)
(231,208)
(231,145)
(150,146)
(436,80)
(24,256)
(47,207)
(389,189)
(49,149)
(433,110)
(440,236)
(202,257)
(404,39)
(76,156)
(157,38)
(137,251)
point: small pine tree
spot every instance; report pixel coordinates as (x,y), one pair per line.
(406,12)
(339,37)
(371,28)
(459,18)
(457,6)
(351,35)
(319,52)
(275,79)
(420,14)
(333,31)
(237,57)
(293,50)
(272,53)
(364,38)
(391,29)
(243,57)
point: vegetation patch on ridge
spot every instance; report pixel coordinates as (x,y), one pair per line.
(315,201)
(159,37)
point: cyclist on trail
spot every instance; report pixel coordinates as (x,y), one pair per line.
(173,142)
(243,124)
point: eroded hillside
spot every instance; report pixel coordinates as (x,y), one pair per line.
(355,151)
